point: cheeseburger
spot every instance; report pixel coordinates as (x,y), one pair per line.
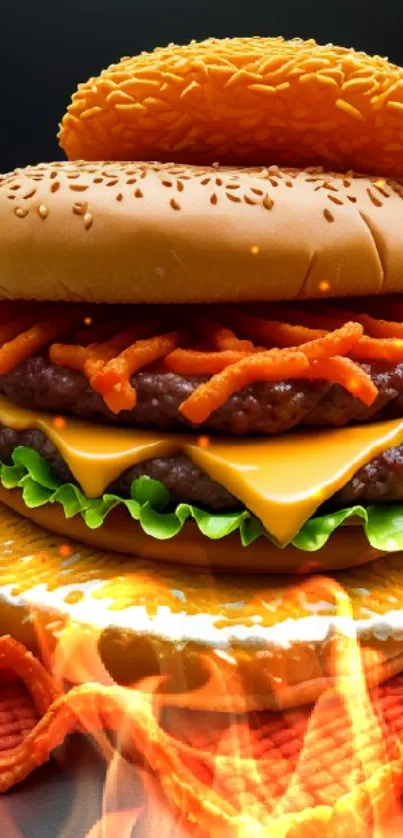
(204,363)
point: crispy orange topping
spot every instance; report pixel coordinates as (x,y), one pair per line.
(197,362)
(232,347)
(113,380)
(25,344)
(343,371)
(272,365)
(243,101)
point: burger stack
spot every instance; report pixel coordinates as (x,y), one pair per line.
(201,364)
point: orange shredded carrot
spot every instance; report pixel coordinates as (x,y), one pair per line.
(12,328)
(339,342)
(25,344)
(380,328)
(263,366)
(378,349)
(86,359)
(314,317)
(113,380)
(91,359)
(196,362)
(221,337)
(271,332)
(343,371)
(315,343)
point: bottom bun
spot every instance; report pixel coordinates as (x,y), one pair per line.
(346,548)
(203,641)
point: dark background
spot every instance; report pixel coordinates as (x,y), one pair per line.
(48,46)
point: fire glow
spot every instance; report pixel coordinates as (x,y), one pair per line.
(330,769)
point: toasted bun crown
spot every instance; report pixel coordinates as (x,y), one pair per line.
(147,232)
(243,101)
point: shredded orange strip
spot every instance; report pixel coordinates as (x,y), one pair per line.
(27,343)
(381,328)
(113,380)
(86,359)
(271,332)
(221,337)
(272,365)
(342,370)
(92,358)
(377,349)
(196,362)
(339,342)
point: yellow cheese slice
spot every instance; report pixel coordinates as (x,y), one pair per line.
(282,479)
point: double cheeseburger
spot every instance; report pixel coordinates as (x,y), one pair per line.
(204,364)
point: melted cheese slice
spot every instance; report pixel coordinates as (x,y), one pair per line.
(282,480)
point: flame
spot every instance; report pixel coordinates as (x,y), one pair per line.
(331,769)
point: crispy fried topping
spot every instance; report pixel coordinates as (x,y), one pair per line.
(232,346)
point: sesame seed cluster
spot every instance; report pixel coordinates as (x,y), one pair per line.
(256,187)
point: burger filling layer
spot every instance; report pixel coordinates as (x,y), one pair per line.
(263,407)
(381,480)
(259,369)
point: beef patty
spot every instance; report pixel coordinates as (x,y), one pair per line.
(260,408)
(379,481)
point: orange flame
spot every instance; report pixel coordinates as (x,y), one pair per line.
(332,769)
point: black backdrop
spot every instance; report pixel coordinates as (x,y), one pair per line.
(48,46)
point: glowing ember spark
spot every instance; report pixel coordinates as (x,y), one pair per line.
(203,441)
(59,422)
(254,249)
(324,285)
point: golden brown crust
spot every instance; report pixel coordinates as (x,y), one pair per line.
(149,232)
(226,642)
(347,548)
(243,100)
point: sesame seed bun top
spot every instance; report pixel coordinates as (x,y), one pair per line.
(148,232)
(243,101)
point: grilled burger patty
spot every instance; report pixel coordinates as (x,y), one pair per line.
(379,480)
(261,408)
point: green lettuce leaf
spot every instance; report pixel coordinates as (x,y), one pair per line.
(150,505)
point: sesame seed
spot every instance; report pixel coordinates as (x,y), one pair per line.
(328,215)
(335,200)
(88,220)
(268,202)
(77,187)
(213,198)
(80,207)
(138,193)
(55,186)
(20,212)
(174,204)
(374,199)
(43,211)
